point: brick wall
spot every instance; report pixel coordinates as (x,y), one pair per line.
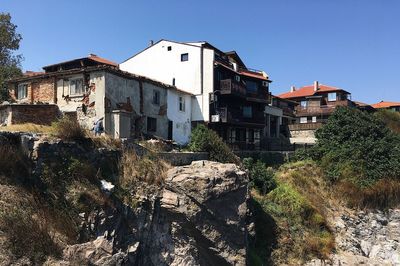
(42,114)
(43,91)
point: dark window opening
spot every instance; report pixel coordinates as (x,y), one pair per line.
(156,97)
(173,81)
(184,57)
(251,135)
(169,48)
(240,135)
(247,111)
(251,86)
(151,124)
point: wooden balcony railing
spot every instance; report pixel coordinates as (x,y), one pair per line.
(322,109)
(232,115)
(228,86)
(306,126)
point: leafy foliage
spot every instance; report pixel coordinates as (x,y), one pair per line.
(358,147)
(9,63)
(261,177)
(207,140)
(390,118)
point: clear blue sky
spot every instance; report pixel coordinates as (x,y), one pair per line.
(352,44)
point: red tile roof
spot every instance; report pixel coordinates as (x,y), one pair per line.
(383,104)
(309,91)
(32,73)
(252,74)
(101,60)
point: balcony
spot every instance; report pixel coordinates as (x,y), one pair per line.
(320,109)
(228,86)
(235,116)
(306,126)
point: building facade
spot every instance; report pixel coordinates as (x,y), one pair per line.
(227,96)
(90,89)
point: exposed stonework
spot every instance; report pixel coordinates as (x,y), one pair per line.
(198,218)
(41,114)
(368,238)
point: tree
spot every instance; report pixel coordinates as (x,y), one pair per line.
(9,62)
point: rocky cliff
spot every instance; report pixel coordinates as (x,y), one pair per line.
(198,218)
(366,237)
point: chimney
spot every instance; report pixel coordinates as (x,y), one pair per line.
(292,88)
(92,55)
(151,43)
(316,85)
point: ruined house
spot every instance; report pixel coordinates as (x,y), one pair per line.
(91,88)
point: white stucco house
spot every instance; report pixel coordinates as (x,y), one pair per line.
(226,95)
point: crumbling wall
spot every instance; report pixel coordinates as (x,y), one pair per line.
(41,114)
(43,91)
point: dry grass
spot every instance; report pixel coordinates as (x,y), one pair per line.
(28,127)
(385,193)
(68,129)
(106,141)
(148,169)
(299,206)
(14,164)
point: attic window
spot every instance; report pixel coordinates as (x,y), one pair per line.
(169,48)
(184,57)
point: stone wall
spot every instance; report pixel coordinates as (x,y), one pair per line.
(43,91)
(302,136)
(183,158)
(41,114)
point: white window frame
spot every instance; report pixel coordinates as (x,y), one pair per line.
(314,119)
(24,87)
(70,88)
(304,106)
(330,94)
(265,83)
(181,103)
(302,121)
(237,78)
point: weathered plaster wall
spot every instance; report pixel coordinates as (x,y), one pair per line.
(157,111)
(181,119)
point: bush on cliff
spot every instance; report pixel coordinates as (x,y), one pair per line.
(262,178)
(357,147)
(390,118)
(207,140)
(297,205)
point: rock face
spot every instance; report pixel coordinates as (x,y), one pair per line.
(369,238)
(197,218)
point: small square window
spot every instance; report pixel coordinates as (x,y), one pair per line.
(332,96)
(169,48)
(156,97)
(303,120)
(181,104)
(303,104)
(247,111)
(151,124)
(314,119)
(184,57)
(76,87)
(237,78)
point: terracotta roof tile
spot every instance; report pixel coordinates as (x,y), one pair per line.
(101,60)
(309,91)
(383,104)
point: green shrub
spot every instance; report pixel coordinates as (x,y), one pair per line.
(358,147)
(261,177)
(390,118)
(68,129)
(207,140)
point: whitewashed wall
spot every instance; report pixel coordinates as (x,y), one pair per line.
(181,120)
